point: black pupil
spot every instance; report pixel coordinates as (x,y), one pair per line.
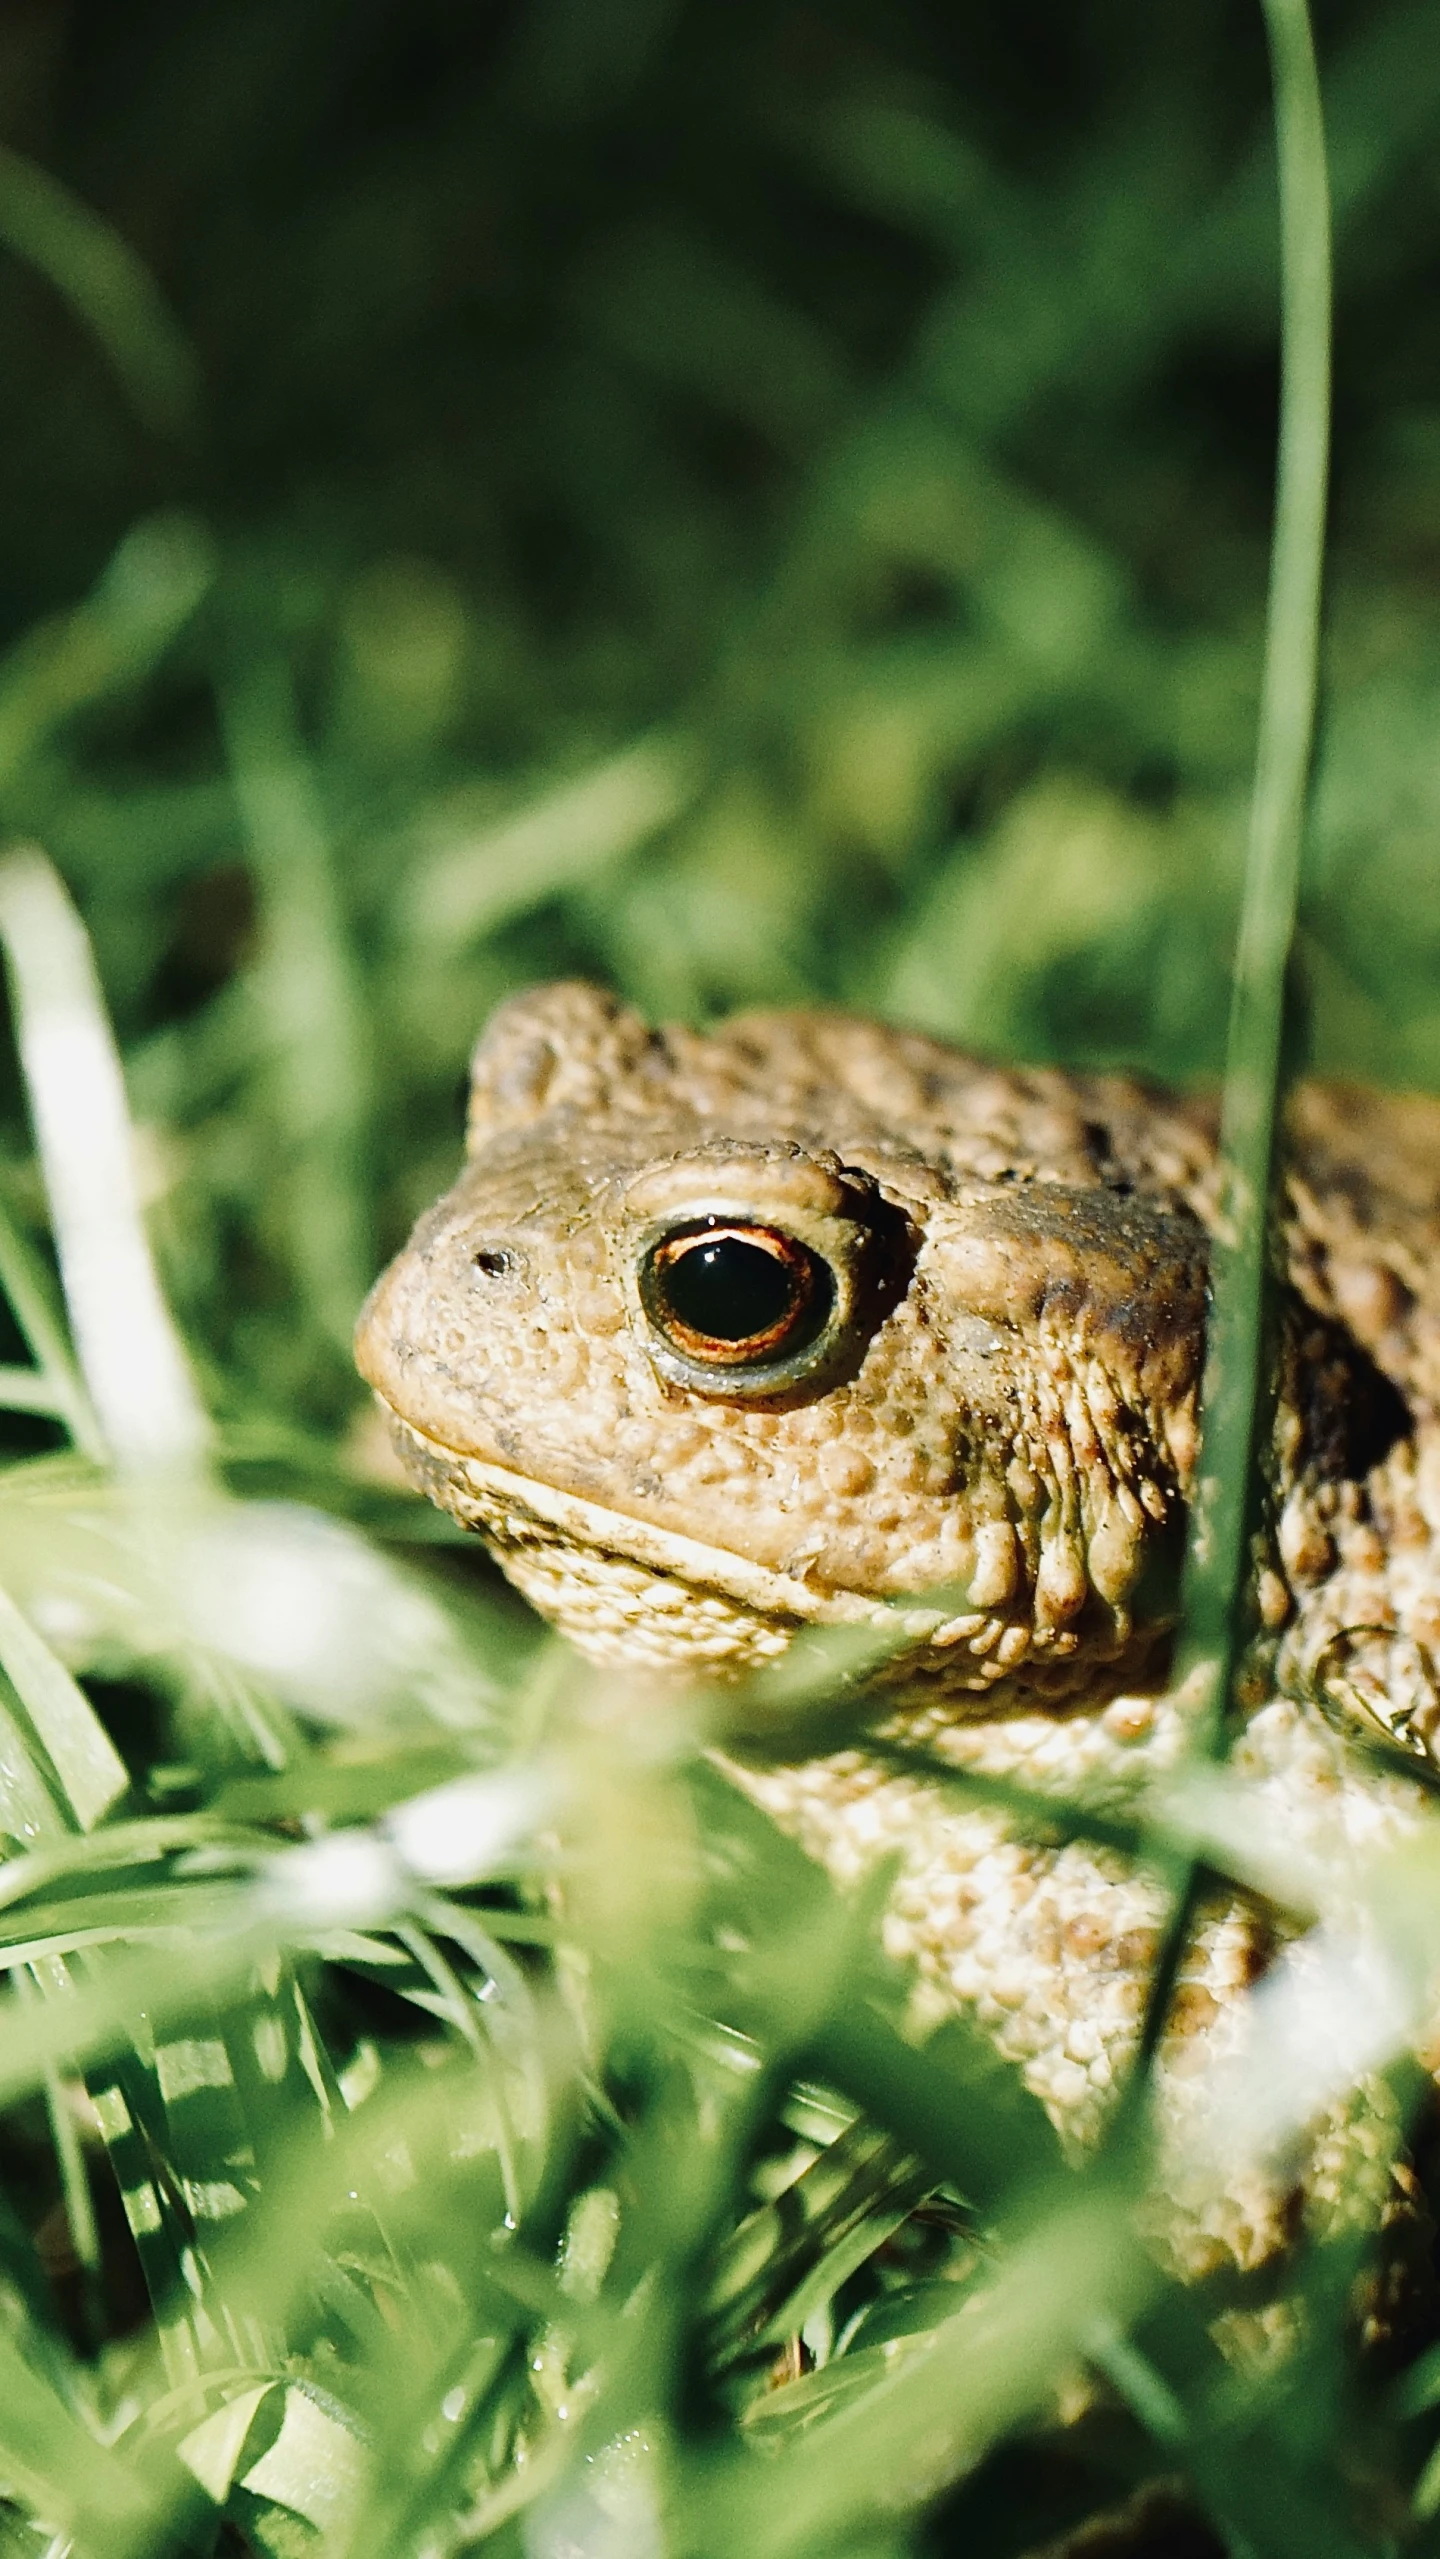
(730,1290)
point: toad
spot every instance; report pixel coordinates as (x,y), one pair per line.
(806,1322)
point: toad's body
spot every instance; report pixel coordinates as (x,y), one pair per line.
(809,1321)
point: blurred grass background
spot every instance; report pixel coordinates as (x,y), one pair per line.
(755,503)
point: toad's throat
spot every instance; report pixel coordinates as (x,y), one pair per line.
(505,1506)
(636,1595)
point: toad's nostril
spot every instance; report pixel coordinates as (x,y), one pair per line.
(493,1262)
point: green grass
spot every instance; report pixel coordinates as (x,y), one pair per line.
(754,507)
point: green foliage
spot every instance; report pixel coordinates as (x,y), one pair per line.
(757,506)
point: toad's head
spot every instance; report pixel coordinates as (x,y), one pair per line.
(806,1321)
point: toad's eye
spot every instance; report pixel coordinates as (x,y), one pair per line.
(736,1297)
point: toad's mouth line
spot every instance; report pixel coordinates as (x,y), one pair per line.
(502,1500)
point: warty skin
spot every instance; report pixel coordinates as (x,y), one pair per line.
(993,1431)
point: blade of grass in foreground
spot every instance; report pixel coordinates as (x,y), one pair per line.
(53,1384)
(136,1372)
(1236,1400)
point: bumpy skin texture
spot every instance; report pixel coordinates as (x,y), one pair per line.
(999,1441)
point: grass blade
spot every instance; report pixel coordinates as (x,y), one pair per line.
(130,1353)
(110,288)
(307,991)
(1235,1397)
(53,1386)
(1234,1403)
(81,1752)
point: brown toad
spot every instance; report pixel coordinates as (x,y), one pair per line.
(809,1321)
